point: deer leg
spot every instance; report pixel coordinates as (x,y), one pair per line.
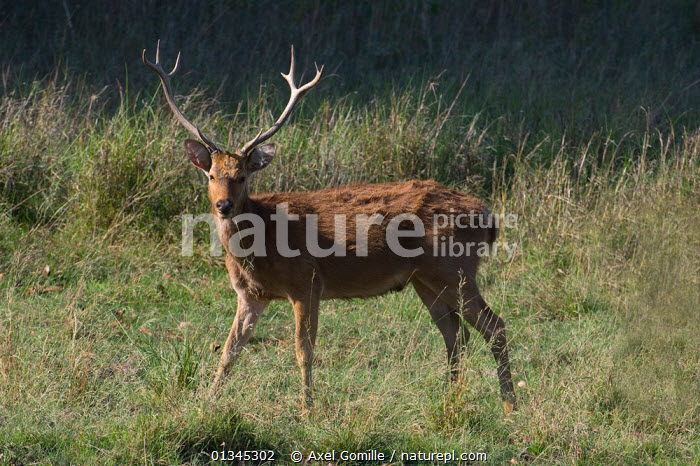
(448,322)
(465,296)
(493,329)
(247,315)
(306,317)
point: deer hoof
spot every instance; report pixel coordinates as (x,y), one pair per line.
(508,407)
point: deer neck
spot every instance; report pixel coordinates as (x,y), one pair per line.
(228,227)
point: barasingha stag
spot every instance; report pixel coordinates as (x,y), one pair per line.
(387,238)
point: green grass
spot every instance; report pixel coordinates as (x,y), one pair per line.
(107,358)
(592,141)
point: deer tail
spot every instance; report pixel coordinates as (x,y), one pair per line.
(491,227)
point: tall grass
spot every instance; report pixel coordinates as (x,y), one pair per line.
(591,141)
(105,356)
(547,67)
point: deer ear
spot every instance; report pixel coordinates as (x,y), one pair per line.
(261,157)
(198,154)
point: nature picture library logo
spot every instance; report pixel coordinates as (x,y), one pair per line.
(406,234)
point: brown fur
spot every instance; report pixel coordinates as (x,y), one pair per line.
(352,276)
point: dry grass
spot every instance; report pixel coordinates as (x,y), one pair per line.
(105,358)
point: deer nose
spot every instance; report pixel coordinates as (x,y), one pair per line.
(224,206)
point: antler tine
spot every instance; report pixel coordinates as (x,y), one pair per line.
(169,96)
(295,93)
(289,77)
(177,64)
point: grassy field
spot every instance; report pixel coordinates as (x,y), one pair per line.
(106,329)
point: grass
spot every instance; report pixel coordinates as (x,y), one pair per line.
(593,143)
(106,357)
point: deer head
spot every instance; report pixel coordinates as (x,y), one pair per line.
(229,172)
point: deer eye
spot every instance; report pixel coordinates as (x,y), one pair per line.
(211,177)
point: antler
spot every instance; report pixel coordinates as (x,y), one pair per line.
(165,79)
(295,94)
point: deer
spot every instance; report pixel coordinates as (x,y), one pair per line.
(382,224)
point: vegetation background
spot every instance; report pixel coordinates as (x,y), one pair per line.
(582,118)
